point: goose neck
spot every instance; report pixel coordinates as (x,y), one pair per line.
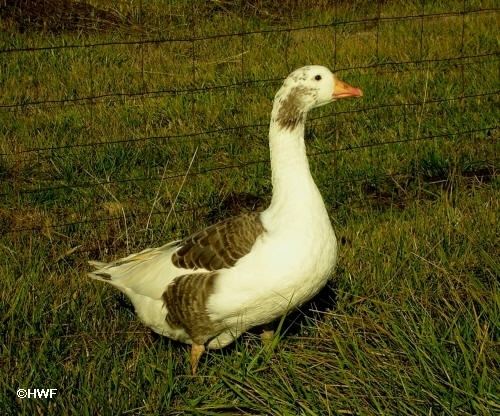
(293,185)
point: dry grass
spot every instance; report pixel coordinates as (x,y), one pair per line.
(57,16)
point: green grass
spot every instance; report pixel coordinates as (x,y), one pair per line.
(409,323)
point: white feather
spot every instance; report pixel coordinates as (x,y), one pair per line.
(147,273)
(286,266)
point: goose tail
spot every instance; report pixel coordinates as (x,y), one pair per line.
(147,272)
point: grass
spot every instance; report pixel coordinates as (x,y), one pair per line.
(409,323)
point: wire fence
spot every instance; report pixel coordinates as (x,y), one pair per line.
(37,99)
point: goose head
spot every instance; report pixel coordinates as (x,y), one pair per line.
(306,88)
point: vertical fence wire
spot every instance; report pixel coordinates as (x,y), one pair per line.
(244,81)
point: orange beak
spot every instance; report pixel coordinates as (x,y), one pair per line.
(344,90)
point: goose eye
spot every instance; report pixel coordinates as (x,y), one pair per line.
(317,77)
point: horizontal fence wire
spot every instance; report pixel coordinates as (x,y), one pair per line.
(252,32)
(178,175)
(96,98)
(243,127)
(180,210)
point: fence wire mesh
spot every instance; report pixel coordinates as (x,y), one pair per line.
(167,103)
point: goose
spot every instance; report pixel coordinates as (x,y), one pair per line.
(248,270)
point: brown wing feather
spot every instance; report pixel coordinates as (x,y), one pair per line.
(186,298)
(220,245)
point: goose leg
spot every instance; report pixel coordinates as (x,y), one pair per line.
(266,336)
(196,352)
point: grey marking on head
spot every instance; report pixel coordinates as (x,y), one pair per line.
(301,75)
(292,109)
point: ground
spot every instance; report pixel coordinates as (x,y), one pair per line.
(173,137)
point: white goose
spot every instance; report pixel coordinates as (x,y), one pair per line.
(209,288)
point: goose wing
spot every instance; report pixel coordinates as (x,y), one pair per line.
(220,245)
